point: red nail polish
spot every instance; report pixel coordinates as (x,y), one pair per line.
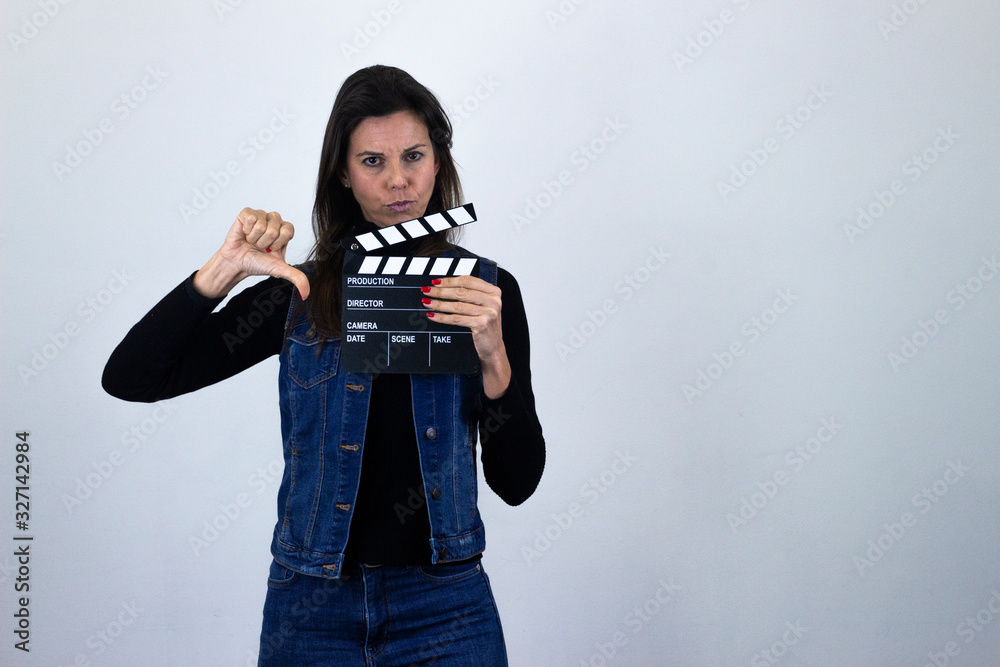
(268,249)
(436,281)
(425,300)
(431,315)
(425,290)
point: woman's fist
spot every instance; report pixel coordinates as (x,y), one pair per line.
(255,246)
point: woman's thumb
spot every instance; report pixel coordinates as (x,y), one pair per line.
(299,279)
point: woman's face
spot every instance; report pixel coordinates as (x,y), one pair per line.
(391,167)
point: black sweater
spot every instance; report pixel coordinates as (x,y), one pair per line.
(181,345)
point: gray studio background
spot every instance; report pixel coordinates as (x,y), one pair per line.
(757,243)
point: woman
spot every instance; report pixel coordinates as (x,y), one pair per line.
(377,549)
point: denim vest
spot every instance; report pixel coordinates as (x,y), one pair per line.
(324,415)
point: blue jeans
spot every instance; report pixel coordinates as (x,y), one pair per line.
(380,615)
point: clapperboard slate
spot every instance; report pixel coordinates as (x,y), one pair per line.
(385,326)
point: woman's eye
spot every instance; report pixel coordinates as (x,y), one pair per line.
(371,161)
(414,156)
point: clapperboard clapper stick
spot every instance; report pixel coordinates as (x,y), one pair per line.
(385,326)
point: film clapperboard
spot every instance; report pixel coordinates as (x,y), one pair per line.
(385,326)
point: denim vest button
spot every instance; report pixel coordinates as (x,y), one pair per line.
(444,552)
(311,333)
(435,494)
(431,433)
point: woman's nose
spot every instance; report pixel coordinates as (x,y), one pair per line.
(397,179)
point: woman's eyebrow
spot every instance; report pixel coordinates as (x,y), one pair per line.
(377,154)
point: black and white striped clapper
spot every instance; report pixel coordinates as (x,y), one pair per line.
(413,229)
(385,328)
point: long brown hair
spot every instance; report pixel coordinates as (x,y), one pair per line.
(370,92)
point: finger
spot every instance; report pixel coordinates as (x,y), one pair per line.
(280,269)
(266,241)
(481,293)
(235,233)
(246,215)
(266,230)
(456,307)
(273,221)
(272,232)
(285,233)
(248,218)
(479,319)
(466,321)
(243,223)
(301,282)
(469,282)
(254,226)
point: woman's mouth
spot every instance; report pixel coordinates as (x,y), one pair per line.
(399,206)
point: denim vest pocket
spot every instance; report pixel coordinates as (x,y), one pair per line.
(308,362)
(443,573)
(279,576)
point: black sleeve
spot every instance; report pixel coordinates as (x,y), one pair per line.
(513,450)
(180,345)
